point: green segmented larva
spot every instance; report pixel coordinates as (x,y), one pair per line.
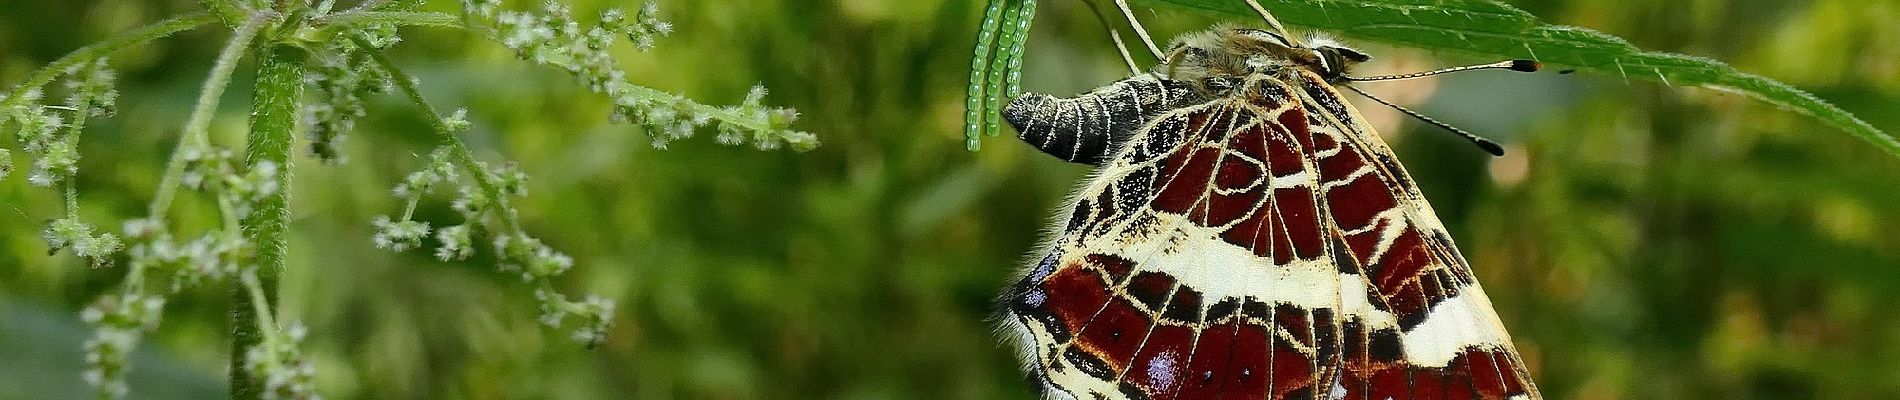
(1006,43)
(974,106)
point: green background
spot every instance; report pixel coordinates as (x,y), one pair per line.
(1640,241)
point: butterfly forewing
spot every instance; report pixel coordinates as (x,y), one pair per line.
(1431,328)
(1260,244)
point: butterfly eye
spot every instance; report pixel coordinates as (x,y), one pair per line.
(1350,54)
(1197,53)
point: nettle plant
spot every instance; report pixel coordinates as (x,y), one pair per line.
(317,62)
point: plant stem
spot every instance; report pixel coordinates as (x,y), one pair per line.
(279,96)
(406,18)
(89,53)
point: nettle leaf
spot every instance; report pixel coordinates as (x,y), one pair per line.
(1482,27)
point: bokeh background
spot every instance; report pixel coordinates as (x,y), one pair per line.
(1640,240)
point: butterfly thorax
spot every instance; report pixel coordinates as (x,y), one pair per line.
(1219,59)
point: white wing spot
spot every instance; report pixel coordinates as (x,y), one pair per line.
(1163,369)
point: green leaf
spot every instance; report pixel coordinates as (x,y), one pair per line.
(996,68)
(1483,27)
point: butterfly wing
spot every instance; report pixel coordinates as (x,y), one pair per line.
(1262,245)
(1422,327)
(1193,266)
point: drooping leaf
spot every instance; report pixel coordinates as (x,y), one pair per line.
(1483,27)
(996,68)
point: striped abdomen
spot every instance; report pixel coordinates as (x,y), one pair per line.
(1086,128)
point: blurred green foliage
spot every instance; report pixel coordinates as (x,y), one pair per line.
(1641,241)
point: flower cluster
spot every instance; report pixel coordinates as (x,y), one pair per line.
(515,251)
(51,139)
(213,256)
(553,38)
(340,78)
(40,130)
(398,236)
(53,142)
(595,314)
(642,30)
(91,89)
(752,108)
(118,322)
(214,170)
(70,233)
(279,362)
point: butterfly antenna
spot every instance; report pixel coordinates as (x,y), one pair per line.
(1139,31)
(1514,65)
(1273,22)
(1116,36)
(1486,144)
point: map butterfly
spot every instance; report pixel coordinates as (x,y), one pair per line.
(1247,236)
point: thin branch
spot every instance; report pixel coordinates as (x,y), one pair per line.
(198,126)
(70,185)
(1139,30)
(260,304)
(87,54)
(463,156)
(1115,36)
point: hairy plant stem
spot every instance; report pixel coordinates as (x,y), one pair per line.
(69,185)
(274,113)
(227,11)
(415,18)
(459,149)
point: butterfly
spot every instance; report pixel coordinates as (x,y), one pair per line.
(1247,235)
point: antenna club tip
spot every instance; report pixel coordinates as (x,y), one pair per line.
(1526,65)
(1491,147)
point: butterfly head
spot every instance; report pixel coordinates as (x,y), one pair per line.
(1227,55)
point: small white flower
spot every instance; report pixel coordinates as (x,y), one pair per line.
(398,235)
